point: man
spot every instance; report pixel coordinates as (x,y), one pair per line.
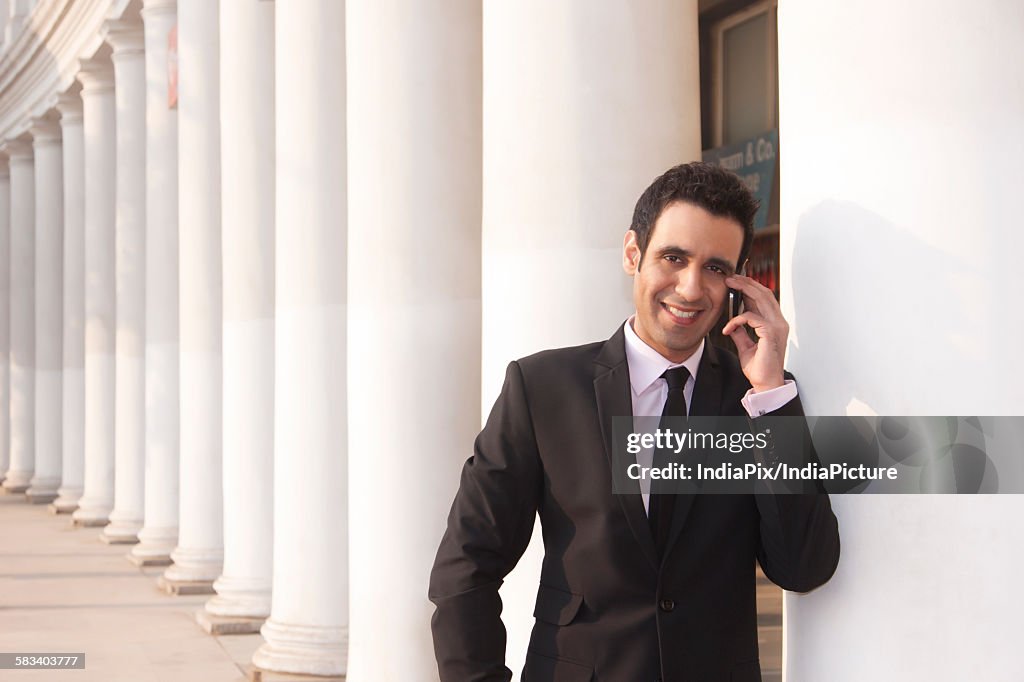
(634,588)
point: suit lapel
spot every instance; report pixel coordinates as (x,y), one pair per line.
(611,387)
(705,402)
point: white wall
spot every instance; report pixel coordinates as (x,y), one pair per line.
(901,140)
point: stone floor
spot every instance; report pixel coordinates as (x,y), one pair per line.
(64,591)
(769,628)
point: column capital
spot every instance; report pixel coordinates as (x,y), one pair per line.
(125,37)
(69,104)
(45,130)
(96,75)
(17,150)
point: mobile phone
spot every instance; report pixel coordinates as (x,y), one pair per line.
(736,296)
(735,302)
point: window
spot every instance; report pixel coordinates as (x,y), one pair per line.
(744,74)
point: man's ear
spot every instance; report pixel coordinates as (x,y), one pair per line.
(630,253)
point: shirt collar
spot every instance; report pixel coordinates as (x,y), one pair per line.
(646,365)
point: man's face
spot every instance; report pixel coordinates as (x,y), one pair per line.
(679,288)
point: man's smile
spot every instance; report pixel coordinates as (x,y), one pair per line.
(682,316)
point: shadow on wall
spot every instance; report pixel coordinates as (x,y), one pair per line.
(884,319)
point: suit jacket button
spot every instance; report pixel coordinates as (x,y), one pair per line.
(667,604)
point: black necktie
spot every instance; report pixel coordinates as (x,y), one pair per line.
(662,506)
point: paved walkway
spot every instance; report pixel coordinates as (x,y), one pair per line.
(769,628)
(62,591)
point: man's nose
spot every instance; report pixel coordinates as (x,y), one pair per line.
(690,285)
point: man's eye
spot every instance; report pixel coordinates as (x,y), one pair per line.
(673,259)
(716,269)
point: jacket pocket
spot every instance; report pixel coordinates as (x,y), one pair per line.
(541,668)
(556,606)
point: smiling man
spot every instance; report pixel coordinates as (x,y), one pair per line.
(634,587)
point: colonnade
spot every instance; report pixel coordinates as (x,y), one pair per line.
(265,262)
(288,276)
(147,298)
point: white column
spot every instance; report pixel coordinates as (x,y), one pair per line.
(5,316)
(126,39)
(17,13)
(22,359)
(407,98)
(308,627)
(921,137)
(247,214)
(69,104)
(604,101)
(159,533)
(97,78)
(49,290)
(575,127)
(5,16)
(200,551)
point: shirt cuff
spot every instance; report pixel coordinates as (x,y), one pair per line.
(758,404)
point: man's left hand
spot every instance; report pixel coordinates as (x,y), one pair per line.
(760,360)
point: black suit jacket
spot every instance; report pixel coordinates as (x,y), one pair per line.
(606,608)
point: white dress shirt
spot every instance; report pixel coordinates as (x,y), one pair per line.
(649,391)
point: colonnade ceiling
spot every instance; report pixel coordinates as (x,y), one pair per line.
(44,55)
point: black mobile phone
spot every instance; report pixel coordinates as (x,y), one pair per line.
(735,302)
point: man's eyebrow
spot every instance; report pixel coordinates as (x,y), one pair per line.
(726,266)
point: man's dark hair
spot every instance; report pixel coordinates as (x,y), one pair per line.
(713,188)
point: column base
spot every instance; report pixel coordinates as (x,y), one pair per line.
(67,498)
(43,490)
(88,523)
(155,546)
(91,513)
(227,625)
(118,538)
(90,517)
(17,481)
(145,561)
(303,649)
(184,587)
(258,675)
(240,598)
(195,565)
(121,531)
(64,505)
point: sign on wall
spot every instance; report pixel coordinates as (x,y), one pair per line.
(755,160)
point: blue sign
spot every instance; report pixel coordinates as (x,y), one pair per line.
(755,162)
